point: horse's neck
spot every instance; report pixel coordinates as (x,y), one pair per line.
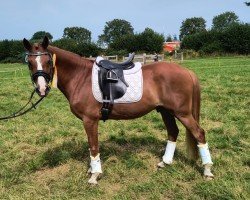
(71,68)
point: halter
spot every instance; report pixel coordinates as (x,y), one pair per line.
(47,76)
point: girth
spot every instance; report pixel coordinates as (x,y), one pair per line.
(112,83)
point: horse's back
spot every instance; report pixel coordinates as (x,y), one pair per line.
(164,68)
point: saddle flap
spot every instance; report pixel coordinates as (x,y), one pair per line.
(112,84)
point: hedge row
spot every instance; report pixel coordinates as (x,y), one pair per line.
(235,39)
(12,51)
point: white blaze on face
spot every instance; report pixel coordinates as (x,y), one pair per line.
(41,83)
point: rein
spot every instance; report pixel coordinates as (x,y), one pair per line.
(20,112)
(51,78)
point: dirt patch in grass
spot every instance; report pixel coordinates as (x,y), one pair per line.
(47,175)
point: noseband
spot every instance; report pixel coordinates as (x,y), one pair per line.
(47,76)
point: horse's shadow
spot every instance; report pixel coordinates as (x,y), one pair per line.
(121,147)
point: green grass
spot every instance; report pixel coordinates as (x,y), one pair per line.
(44,154)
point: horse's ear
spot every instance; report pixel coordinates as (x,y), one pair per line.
(27,44)
(45,42)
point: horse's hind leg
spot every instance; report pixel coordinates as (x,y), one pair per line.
(199,134)
(173,131)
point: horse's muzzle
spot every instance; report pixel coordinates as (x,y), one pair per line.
(42,93)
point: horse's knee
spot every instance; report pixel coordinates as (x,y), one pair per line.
(193,127)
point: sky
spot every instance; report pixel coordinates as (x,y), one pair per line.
(22,18)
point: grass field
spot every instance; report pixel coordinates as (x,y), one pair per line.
(44,154)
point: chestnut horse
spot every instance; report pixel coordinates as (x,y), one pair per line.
(171,89)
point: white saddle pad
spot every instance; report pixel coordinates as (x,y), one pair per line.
(134,79)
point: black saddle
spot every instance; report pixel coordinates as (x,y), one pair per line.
(128,64)
(112,83)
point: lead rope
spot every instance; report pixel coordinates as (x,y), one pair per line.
(33,105)
(19,112)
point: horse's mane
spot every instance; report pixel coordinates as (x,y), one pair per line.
(69,56)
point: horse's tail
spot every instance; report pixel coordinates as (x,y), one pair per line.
(191,142)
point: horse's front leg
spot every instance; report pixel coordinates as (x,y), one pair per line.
(91,128)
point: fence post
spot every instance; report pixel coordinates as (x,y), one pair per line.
(144,58)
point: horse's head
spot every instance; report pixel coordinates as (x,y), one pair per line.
(40,65)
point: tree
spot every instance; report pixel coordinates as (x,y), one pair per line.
(114,30)
(11,51)
(4,49)
(87,50)
(125,44)
(39,35)
(169,38)
(236,39)
(83,49)
(79,34)
(191,26)
(66,44)
(175,37)
(150,41)
(224,20)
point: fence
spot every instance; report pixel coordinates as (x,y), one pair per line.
(178,56)
(144,58)
(111,58)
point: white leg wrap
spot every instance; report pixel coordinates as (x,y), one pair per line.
(95,164)
(169,152)
(205,154)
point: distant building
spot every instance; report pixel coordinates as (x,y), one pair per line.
(171,46)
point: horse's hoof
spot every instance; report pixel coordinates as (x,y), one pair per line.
(209,178)
(207,173)
(161,165)
(94,177)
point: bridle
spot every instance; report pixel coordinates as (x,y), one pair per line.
(47,76)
